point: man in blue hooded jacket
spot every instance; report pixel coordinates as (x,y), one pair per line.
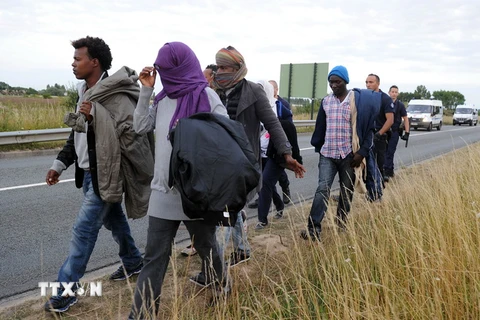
(343,137)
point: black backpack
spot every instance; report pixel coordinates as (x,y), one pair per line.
(213,166)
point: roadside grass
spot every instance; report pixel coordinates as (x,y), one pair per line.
(31,113)
(412,256)
(448,120)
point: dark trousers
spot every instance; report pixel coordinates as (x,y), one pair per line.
(160,237)
(283,181)
(389,155)
(270,176)
(373,179)
(379,152)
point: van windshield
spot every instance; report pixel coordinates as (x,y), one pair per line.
(464,110)
(415,108)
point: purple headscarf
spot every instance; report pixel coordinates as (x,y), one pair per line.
(182,79)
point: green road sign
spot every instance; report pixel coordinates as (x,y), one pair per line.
(304,80)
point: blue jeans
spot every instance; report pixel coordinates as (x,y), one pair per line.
(93,214)
(160,237)
(374,179)
(388,167)
(327,169)
(270,175)
(240,242)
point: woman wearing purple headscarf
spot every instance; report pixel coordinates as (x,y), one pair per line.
(185,92)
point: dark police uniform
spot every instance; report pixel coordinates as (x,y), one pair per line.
(395,134)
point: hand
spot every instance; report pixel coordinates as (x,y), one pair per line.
(357,160)
(85,108)
(405,136)
(294,165)
(379,136)
(147,77)
(52,177)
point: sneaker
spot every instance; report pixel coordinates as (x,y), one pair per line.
(253,204)
(200,280)
(189,251)
(123,273)
(60,304)
(311,234)
(260,225)
(237,258)
(286,196)
(278,215)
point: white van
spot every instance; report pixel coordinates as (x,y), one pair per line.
(426,114)
(465,115)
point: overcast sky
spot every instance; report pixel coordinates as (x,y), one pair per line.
(407,43)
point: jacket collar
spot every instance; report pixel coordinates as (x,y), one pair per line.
(247,97)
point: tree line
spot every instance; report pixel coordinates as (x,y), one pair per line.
(450,99)
(49,91)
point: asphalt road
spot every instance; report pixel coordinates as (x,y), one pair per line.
(36,220)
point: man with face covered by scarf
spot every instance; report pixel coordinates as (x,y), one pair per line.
(185,92)
(247,103)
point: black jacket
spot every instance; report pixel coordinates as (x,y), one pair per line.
(213,166)
(291,133)
(68,156)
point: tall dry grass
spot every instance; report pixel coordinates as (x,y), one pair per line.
(413,256)
(31,113)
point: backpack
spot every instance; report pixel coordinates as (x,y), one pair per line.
(213,166)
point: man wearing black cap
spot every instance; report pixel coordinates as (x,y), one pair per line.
(343,138)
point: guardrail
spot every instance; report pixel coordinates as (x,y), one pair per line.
(304,123)
(18,137)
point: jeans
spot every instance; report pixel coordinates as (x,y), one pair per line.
(270,176)
(389,155)
(240,242)
(160,237)
(93,214)
(327,169)
(373,180)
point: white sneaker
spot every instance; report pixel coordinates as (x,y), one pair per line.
(260,225)
(189,251)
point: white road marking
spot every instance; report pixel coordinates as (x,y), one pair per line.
(305,149)
(33,185)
